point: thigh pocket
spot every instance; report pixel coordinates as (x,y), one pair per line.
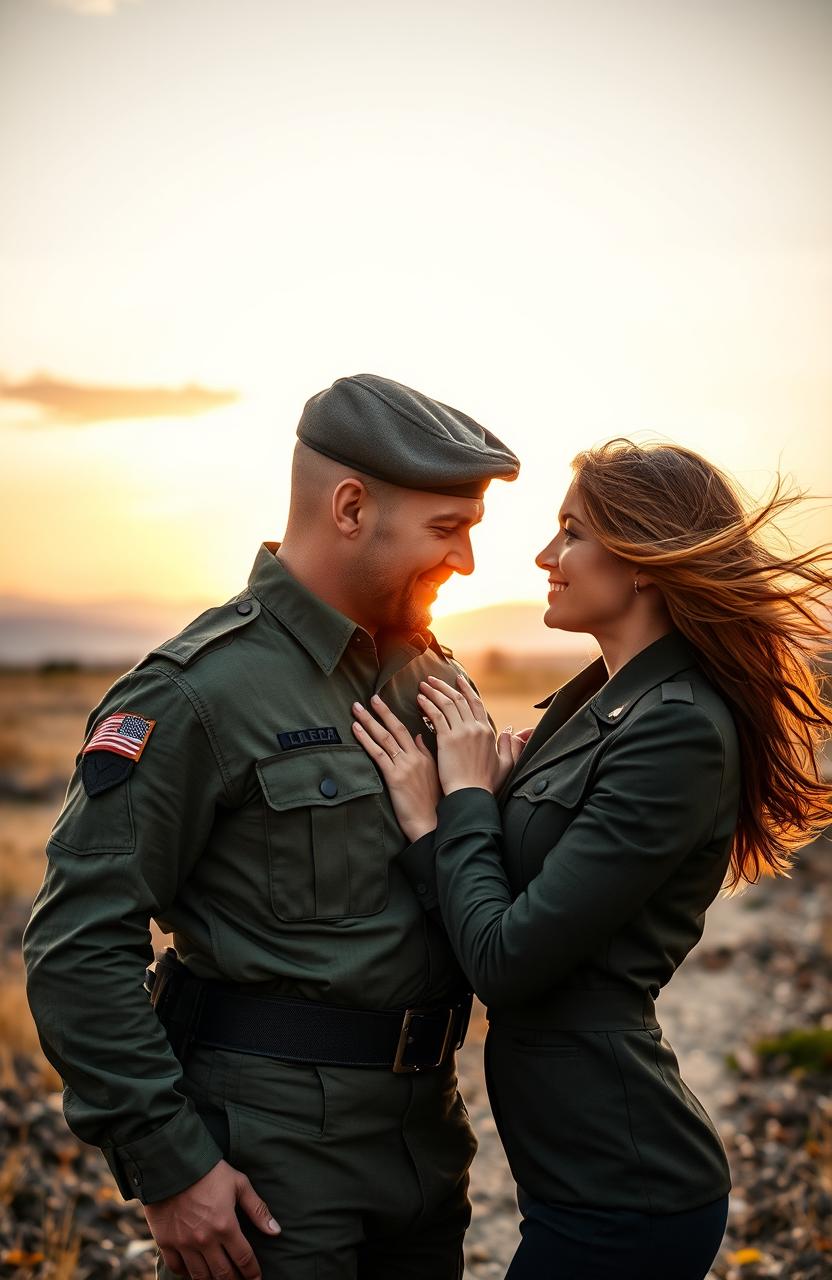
(325,833)
(271,1098)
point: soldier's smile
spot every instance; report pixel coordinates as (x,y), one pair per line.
(432,585)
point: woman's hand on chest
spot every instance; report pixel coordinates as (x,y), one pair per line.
(469,752)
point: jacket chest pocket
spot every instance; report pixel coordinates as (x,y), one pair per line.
(549,802)
(324,833)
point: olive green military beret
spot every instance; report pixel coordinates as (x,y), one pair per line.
(389,431)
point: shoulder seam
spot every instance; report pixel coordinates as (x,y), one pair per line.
(204,718)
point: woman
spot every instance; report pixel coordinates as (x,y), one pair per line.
(682,756)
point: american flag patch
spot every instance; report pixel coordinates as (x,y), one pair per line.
(124,733)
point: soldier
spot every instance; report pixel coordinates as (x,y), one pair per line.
(219,790)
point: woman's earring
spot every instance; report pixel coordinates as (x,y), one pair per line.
(637,587)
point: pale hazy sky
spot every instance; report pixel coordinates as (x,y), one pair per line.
(571,220)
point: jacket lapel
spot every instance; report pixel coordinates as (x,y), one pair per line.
(577,710)
(567,723)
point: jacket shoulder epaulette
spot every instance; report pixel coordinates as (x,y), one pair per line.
(210,630)
(677,691)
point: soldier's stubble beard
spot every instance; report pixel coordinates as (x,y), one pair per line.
(389,598)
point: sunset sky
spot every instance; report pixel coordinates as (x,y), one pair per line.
(571,220)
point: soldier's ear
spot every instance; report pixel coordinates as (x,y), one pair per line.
(349,507)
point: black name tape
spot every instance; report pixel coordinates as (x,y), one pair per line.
(324,735)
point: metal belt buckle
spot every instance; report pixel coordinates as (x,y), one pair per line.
(400,1067)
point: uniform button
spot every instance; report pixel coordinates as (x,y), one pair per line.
(421,888)
(328,788)
(540,786)
(245,607)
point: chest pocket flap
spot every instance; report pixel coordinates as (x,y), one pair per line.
(318,775)
(565,781)
(325,833)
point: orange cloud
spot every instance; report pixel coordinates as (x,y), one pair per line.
(79,405)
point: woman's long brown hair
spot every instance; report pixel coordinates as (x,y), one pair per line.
(758,620)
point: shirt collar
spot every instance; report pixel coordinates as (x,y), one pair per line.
(321,629)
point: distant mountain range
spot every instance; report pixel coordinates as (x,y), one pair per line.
(119,632)
(92,633)
(510,628)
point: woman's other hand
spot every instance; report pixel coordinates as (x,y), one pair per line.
(405,763)
(469,753)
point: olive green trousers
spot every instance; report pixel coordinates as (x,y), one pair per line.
(366,1171)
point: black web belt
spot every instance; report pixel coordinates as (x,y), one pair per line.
(404,1040)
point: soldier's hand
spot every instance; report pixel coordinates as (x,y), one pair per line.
(197,1230)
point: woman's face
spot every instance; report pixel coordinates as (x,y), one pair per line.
(590,589)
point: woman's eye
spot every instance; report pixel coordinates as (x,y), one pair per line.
(568,535)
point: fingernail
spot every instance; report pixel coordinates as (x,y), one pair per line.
(356,706)
(273,1225)
(375,698)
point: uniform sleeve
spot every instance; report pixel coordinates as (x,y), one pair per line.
(114,860)
(654,801)
(418,862)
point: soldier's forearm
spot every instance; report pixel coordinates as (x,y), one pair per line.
(97,1027)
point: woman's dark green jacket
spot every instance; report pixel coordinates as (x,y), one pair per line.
(571,902)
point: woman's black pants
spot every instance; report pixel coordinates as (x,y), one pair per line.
(565,1242)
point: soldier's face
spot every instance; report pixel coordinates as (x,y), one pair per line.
(590,589)
(419,540)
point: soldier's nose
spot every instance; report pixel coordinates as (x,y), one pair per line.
(462,561)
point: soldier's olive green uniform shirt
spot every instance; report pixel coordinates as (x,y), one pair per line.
(256,830)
